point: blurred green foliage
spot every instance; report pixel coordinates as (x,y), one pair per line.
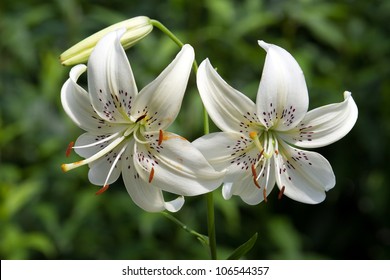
(46,214)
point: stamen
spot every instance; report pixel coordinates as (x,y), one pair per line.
(151,174)
(255,176)
(281,192)
(265,194)
(113,165)
(102,152)
(160,137)
(140,118)
(69,149)
(102,190)
(97,142)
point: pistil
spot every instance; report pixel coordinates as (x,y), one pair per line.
(253,135)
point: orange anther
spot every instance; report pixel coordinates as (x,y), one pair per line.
(151,175)
(265,194)
(140,118)
(255,176)
(160,137)
(281,192)
(102,190)
(69,149)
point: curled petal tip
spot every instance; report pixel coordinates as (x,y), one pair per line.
(263,44)
(347,94)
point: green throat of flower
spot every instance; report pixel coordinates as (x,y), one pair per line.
(267,144)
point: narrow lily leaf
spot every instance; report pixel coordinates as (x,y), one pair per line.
(243,249)
(202,238)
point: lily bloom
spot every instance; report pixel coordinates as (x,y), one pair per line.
(125,129)
(261,143)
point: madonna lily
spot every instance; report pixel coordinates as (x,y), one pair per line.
(261,143)
(125,129)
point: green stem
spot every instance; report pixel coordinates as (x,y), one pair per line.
(209,196)
(177,41)
(210,202)
(211,225)
(165,30)
(187,229)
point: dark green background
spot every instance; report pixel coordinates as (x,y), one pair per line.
(46,214)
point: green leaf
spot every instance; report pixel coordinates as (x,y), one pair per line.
(243,249)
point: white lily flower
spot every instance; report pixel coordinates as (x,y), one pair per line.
(136,29)
(260,143)
(125,129)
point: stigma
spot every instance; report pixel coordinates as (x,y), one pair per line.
(255,137)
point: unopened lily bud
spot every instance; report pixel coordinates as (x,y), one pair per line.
(136,29)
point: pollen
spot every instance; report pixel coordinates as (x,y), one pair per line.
(140,118)
(255,176)
(102,190)
(151,175)
(160,137)
(265,194)
(69,149)
(281,192)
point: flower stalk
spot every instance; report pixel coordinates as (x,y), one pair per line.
(209,196)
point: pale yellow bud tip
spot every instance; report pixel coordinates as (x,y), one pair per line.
(136,29)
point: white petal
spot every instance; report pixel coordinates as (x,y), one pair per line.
(228,150)
(324,125)
(161,99)
(243,185)
(145,195)
(88,144)
(177,166)
(229,109)
(305,175)
(227,191)
(231,151)
(282,98)
(111,83)
(106,170)
(103,170)
(77,105)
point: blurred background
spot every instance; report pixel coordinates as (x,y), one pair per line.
(46,214)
